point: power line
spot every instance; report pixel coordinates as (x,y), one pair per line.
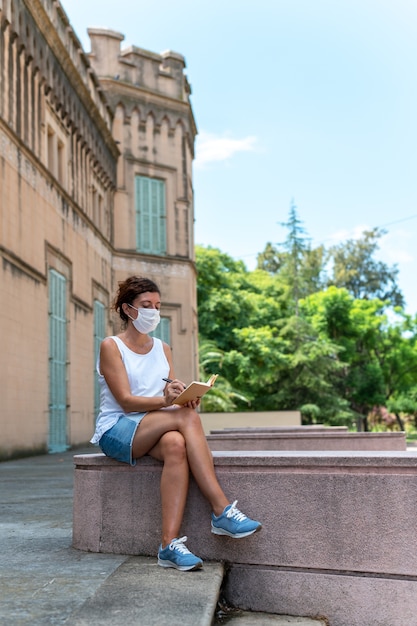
(403,219)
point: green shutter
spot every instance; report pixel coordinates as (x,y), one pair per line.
(161,216)
(146,223)
(150,215)
(57,436)
(163,331)
(99,334)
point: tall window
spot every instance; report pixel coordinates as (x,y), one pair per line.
(56,153)
(99,334)
(163,331)
(57,436)
(150,215)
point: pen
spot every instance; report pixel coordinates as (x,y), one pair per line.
(169,380)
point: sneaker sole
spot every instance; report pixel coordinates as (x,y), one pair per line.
(182,568)
(221,531)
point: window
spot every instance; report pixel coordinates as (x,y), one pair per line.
(56,153)
(150,215)
(163,331)
(94,205)
(99,334)
(57,436)
(51,150)
(61,162)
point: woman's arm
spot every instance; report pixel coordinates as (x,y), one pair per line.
(114,371)
(192,404)
(177,389)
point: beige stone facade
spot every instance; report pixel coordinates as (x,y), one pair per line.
(95,184)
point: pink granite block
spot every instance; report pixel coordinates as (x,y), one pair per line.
(326,440)
(123,503)
(87,510)
(343,599)
(325,512)
(131,503)
(338,530)
(280,429)
(311,505)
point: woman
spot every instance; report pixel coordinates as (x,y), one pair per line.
(138,416)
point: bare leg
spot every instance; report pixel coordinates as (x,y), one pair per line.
(187,422)
(174,483)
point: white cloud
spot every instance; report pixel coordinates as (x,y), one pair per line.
(342,235)
(393,247)
(397,247)
(211,148)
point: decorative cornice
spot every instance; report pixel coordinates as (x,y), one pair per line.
(51,35)
(14,260)
(121,88)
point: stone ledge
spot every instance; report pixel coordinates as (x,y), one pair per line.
(347,516)
(248,419)
(280,429)
(311,505)
(275,458)
(343,600)
(324,441)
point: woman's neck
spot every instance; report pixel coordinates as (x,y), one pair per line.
(138,342)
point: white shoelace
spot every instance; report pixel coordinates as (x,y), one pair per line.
(235,513)
(178,544)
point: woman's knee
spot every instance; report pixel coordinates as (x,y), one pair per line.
(173,445)
(190,417)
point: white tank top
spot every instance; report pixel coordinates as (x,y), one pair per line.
(145,373)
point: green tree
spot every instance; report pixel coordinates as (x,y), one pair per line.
(311,373)
(299,267)
(271,259)
(398,357)
(295,246)
(355,268)
(374,352)
(272,359)
(229,297)
(404,405)
(335,358)
(222,397)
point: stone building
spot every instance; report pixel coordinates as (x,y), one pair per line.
(96,158)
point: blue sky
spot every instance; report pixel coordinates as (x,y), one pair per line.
(293,99)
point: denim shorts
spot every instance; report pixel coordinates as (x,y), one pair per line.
(117,441)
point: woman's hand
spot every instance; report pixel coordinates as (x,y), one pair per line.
(193,404)
(172,391)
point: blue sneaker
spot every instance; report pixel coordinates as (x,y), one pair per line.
(177,555)
(233,523)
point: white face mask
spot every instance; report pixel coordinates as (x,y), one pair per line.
(146,321)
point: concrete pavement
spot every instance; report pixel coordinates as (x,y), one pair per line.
(43,580)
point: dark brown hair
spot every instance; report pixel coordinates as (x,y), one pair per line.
(130,289)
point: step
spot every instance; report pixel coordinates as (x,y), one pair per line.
(267,619)
(141,592)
